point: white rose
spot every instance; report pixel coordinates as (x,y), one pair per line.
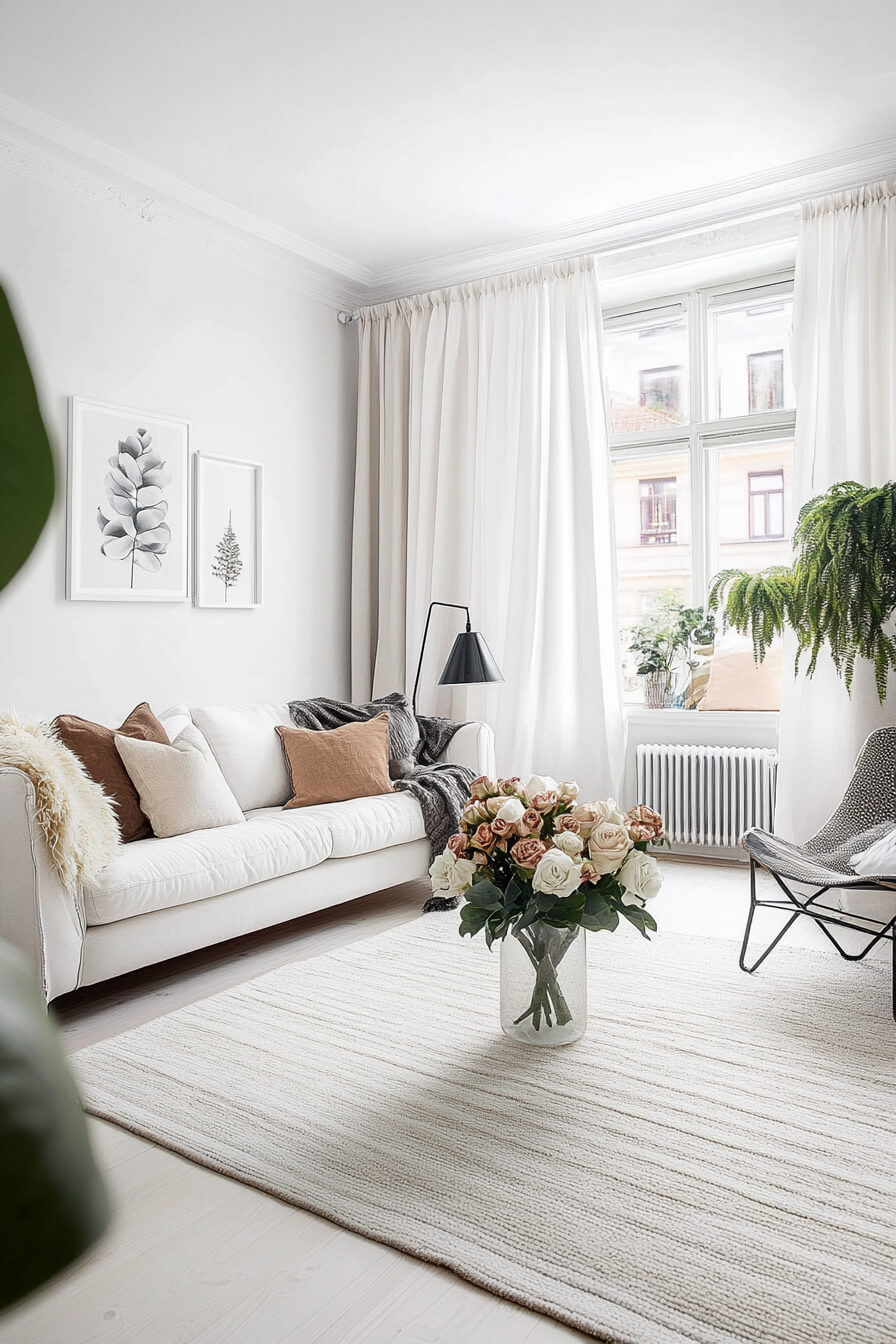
(512,810)
(609,810)
(460,877)
(569,843)
(608,845)
(449,873)
(439,869)
(557,874)
(536,784)
(641,878)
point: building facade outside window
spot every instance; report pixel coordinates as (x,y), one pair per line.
(701,409)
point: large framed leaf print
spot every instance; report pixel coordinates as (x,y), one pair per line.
(128,505)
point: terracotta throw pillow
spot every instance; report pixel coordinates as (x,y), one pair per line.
(94,746)
(335,764)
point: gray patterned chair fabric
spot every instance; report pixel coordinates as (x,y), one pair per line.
(866,814)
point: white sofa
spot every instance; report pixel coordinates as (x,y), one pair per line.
(160,898)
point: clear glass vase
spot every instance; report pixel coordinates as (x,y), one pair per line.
(544,988)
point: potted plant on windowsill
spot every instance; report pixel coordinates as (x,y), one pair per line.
(665,640)
(840,592)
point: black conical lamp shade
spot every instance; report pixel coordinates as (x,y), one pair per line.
(469,661)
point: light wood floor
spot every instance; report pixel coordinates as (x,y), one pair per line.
(194,1256)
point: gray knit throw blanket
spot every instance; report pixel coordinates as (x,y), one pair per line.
(415,745)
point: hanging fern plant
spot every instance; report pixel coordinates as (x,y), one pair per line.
(840,592)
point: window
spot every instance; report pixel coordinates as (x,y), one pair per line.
(766,503)
(646,369)
(660,390)
(658,512)
(701,410)
(765,381)
(748,354)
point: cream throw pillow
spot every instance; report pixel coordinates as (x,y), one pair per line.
(181,787)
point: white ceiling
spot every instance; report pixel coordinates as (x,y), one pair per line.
(402,130)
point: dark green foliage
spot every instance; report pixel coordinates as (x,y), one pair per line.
(27,479)
(840,592)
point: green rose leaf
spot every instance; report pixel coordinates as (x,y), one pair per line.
(472,919)
(640,918)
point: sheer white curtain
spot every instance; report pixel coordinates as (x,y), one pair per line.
(483,477)
(844,347)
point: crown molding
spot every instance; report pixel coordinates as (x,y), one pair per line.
(57,155)
(698,213)
(748,213)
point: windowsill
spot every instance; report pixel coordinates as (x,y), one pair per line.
(640,714)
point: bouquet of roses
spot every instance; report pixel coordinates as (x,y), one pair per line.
(534,862)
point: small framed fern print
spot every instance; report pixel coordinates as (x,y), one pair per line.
(128,515)
(227,532)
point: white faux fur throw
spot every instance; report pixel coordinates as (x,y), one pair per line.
(73,812)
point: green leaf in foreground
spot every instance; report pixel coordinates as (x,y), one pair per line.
(27,477)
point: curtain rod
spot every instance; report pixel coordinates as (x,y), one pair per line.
(791,209)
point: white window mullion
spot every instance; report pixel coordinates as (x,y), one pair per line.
(699,497)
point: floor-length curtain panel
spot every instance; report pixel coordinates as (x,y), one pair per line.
(483,477)
(844,348)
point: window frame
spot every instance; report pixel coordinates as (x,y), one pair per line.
(702,434)
(765,495)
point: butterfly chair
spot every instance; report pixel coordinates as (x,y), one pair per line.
(867,812)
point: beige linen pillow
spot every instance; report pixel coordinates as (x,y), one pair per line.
(332,765)
(737,682)
(181,787)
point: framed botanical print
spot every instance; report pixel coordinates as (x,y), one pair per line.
(128,516)
(227,532)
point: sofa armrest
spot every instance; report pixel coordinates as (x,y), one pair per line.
(37,914)
(472,745)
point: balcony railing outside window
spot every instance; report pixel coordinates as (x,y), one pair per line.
(659,523)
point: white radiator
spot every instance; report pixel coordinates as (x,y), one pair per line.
(708,795)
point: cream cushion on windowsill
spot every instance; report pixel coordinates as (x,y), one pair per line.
(181,786)
(737,682)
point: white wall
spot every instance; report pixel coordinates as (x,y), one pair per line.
(117,311)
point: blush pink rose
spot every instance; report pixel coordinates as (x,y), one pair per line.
(483,787)
(531,822)
(528,853)
(482,837)
(458,845)
(502,828)
(643,823)
(510,786)
(546,802)
(567,823)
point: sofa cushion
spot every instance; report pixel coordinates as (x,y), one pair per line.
(338,764)
(247,748)
(157,873)
(94,746)
(365,824)
(181,786)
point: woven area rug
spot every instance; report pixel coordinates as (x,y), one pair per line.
(715,1161)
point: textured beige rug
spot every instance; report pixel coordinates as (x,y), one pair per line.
(715,1161)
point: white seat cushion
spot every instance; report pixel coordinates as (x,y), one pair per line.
(245,744)
(156,874)
(362,825)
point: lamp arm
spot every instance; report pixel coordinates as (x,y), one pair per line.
(456,606)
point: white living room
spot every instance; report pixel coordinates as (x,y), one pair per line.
(447,672)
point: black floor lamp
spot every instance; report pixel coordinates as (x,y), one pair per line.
(469,662)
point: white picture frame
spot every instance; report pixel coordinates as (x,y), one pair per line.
(228,510)
(99,565)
